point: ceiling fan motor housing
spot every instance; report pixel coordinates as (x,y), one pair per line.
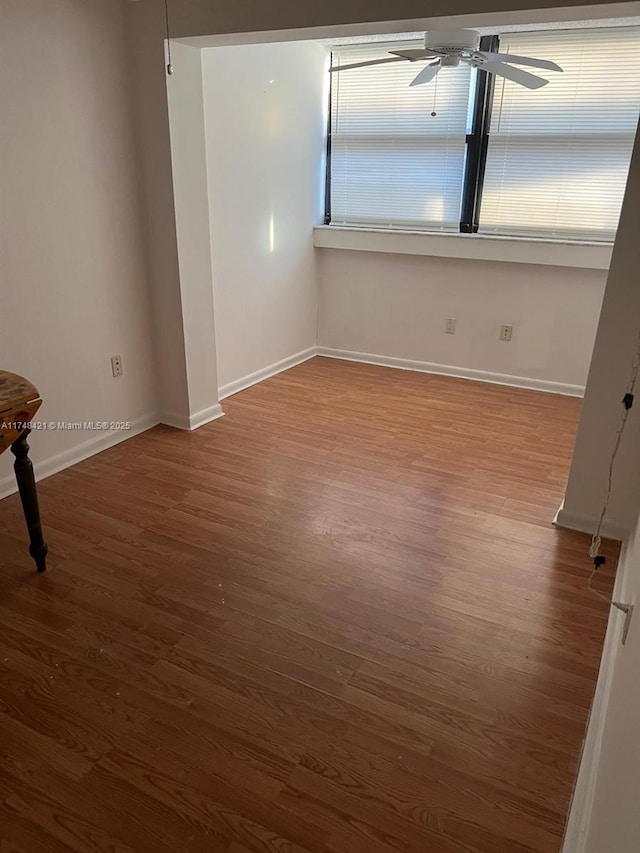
(452,41)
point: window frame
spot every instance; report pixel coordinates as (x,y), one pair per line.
(327,171)
(478,144)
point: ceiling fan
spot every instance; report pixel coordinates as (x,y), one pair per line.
(450,48)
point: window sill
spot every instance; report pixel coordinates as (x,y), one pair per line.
(472,246)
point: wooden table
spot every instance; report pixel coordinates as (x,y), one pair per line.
(19,402)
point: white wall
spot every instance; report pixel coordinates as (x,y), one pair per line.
(147,79)
(189,169)
(615,813)
(605,814)
(615,348)
(396,305)
(265,132)
(73,287)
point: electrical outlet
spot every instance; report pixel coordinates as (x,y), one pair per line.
(505,332)
(116,366)
(450,326)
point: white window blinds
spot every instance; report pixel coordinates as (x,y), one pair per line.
(558,157)
(394,165)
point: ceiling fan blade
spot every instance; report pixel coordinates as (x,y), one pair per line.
(519,60)
(414,55)
(531,81)
(426,74)
(335,68)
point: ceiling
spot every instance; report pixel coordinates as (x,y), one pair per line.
(610,14)
(507,28)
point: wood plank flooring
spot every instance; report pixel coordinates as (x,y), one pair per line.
(338,620)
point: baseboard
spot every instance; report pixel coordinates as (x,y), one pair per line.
(455,371)
(101,441)
(611,529)
(265,373)
(191,422)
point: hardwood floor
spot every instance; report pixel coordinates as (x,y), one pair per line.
(338,620)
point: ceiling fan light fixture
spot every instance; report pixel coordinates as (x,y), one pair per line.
(451,41)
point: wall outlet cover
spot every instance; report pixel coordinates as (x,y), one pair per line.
(506,332)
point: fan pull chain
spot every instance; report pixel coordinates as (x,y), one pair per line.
(166,18)
(435,95)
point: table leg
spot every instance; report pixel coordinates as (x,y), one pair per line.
(29,497)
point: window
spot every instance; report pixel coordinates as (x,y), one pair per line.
(497,158)
(558,157)
(392,164)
